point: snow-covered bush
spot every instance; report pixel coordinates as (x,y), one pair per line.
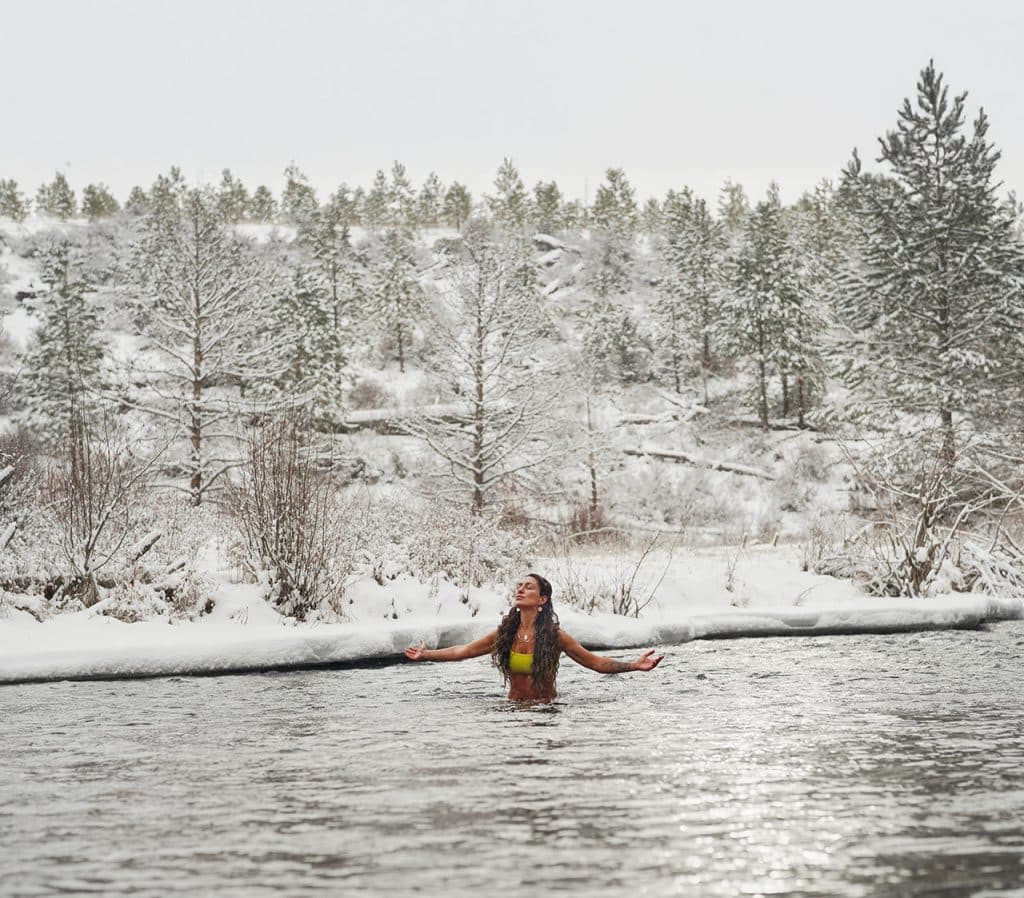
(296,532)
(433,541)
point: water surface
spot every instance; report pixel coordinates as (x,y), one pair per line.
(874,766)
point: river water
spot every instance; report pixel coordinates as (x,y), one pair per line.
(840,766)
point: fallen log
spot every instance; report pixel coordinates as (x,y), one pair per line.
(683,459)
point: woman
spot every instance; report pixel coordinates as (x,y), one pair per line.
(527,645)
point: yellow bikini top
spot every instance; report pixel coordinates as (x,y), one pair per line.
(520,662)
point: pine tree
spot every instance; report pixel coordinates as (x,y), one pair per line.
(765,289)
(458,205)
(938,301)
(401,199)
(137,203)
(429,201)
(547,207)
(13,203)
(489,331)
(232,198)
(375,212)
(733,209)
(98,202)
(335,260)
(692,258)
(298,201)
(343,207)
(262,205)
(510,205)
(395,295)
(312,344)
(614,347)
(62,366)
(615,210)
(206,318)
(57,199)
(652,218)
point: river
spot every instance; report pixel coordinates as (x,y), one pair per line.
(840,766)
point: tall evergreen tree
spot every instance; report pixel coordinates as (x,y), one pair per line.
(938,301)
(395,295)
(137,203)
(756,310)
(298,201)
(262,205)
(57,199)
(615,210)
(13,203)
(692,257)
(458,205)
(510,204)
(98,202)
(232,198)
(401,199)
(429,202)
(62,366)
(375,212)
(547,207)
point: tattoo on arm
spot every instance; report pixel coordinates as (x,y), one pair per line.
(619,667)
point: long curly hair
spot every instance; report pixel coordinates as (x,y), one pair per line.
(546,652)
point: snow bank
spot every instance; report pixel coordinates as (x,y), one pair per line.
(104,648)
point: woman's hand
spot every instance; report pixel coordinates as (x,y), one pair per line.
(417,652)
(646,662)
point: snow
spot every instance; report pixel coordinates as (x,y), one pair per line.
(705,594)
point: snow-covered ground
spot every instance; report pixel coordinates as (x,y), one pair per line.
(704,594)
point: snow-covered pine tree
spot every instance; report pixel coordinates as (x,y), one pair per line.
(488,333)
(57,199)
(262,205)
(312,344)
(395,297)
(692,259)
(615,211)
(98,202)
(62,367)
(232,198)
(13,203)
(336,261)
(401,199)
(652,218)
(764,288)
(820,234)
(733,210)
(510,204)
(375,211)
(298,200)
(137,203)
(458,205)
(547,207)
(428,203)
(207,309)
(938,303)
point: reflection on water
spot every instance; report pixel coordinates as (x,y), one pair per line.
(874,766)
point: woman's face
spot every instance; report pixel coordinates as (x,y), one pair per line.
(528,594)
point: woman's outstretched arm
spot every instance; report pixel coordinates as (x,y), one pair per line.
(647,661)
(482,646)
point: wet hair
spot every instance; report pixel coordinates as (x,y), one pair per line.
(546,652)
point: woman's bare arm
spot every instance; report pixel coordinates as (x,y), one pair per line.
(605,665)
(482,646)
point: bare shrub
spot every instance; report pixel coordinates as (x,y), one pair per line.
(625,586)
(370,394)
(292,522)
(91,494)
(590,523)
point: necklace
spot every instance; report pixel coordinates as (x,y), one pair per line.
(526,637)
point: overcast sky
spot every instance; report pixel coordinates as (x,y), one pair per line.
(677,93)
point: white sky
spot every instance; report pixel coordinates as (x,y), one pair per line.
(674,91)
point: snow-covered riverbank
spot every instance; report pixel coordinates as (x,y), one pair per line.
(766,595)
